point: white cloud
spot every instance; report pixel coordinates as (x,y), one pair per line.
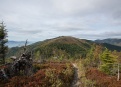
(41,19)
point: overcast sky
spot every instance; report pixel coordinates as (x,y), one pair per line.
(38,20)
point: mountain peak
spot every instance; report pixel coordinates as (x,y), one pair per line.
(66,40)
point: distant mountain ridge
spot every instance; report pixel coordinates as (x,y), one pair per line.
(112,41)
(16,43)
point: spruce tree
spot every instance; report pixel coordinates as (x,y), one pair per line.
(107,62)
(3,41)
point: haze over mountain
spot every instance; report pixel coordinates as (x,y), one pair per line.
(17,43)
(112,41)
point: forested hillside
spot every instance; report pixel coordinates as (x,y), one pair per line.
(61,47)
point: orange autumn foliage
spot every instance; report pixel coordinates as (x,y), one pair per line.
(58,73)
(101,79)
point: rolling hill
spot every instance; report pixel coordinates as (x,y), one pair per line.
(60,47)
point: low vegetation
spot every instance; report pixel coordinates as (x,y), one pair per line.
(101,79)
(49,74)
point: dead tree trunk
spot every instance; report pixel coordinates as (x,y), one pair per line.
(118,76)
